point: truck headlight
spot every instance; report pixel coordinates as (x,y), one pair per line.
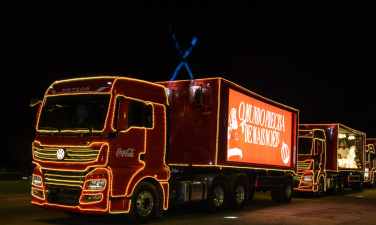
(366,175)
(366,169)
(96,185)
(37,180)
(307,178)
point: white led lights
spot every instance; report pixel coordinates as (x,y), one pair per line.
(96,185)
(307,178)
(37,180)
(352,137)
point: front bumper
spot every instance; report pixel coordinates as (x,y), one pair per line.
(67,191)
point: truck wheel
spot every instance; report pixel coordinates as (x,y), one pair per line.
(239,195)
(286,192)
(144,203)
(274,194)
(320,189)
(217,197)
(341,185)
(360,186)
(336,187)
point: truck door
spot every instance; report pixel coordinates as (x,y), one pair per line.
(131,120)
(320,161)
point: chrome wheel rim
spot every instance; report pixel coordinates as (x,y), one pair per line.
(144,203)
(218,196)
(240,194)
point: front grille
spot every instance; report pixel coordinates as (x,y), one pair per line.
(73,154)
(52,178)
(303,165)
(63,187)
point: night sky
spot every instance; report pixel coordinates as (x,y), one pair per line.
(315,56)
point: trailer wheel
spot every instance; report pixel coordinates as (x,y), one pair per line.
(286,192)
(320,189)
(341,185)
(239,195)
(361,184)
(144,203)
(336,187)
(217,197)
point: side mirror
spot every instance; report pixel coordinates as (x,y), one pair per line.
(123,115)
(35,102)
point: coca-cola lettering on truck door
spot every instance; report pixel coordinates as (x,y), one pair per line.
(258,132)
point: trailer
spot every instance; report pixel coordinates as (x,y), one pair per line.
(370,163)
(111,145)
(330,158)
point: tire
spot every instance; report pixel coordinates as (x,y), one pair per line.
(320,189)
(144,203)
(239,195)
(286,192)
(336,188)
(341,185)
(274,195)
(217,197)
(360,186)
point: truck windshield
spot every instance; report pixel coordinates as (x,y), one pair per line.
(74,114)
(304,146)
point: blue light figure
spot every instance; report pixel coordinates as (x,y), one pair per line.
(184,56)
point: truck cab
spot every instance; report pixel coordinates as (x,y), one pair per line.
(370,161)
(311,162)
(98,141)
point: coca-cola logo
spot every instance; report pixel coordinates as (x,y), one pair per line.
(125,153)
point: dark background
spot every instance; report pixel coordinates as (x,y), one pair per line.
(316,56)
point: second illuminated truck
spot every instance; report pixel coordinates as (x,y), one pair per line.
(330,158)
(110,145)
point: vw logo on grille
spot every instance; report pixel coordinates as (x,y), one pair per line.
(60,154)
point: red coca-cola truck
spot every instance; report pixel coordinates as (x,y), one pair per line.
(370,163)
(110,145)
(330,158)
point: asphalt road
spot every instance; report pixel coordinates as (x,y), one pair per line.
(350,208)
